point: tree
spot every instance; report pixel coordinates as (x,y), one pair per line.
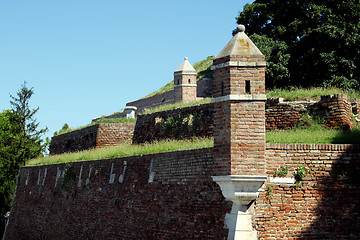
(320,38)
(32,144)
(20,140)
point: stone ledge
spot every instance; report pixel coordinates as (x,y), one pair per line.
(239,64)
(241,97)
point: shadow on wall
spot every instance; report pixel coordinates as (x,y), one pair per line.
(348,136)
(338,212)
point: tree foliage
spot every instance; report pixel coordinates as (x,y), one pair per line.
(20,140)
(307,42)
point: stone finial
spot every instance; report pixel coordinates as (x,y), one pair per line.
(240,28)
(185,66)
(240,45)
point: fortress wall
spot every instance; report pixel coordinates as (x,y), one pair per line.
(204,87)
(178,123)
(77,140)
(198,121)
(154,101)
(156,196)
(327,203)
(172,196)
(98,135)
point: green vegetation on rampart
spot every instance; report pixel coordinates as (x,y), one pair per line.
(314,93)
(123,150)
(177,105)
(315,133)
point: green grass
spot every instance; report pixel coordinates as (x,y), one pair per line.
(105,120)
(168,87)
(177,105)
(203,68)
(294,93)
(125,150)
(315,133)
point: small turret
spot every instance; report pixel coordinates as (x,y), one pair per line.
(185,82)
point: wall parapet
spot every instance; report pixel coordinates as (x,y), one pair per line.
(177,123)
(97,135)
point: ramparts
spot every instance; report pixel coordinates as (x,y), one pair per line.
(198,121)
(157,196)
(172,196)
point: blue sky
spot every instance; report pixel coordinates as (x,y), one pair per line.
(86,59)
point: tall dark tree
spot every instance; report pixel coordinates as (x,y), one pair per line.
(32,144)
(321,37)
(20,140)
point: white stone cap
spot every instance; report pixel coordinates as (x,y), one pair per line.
(241,45)
(130,108)
(185,85)
(185,67)
(239,64)
(240,97)
(282,180)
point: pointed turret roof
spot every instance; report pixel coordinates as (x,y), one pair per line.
(240,45)
(185,66)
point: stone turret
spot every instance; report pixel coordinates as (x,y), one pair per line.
(185,82)
(239,129)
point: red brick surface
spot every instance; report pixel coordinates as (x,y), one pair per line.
(281,115)
(180,123)
(182,201)
(98,135)
(183,93)
(339,111)
(327,203)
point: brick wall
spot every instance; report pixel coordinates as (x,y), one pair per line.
(171,195)
(327,203)
(282,115)
(77,140)
(156,196)
(98,135)
(338,111)
(355,103)
(179,123)
(204,87)
(111,134)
